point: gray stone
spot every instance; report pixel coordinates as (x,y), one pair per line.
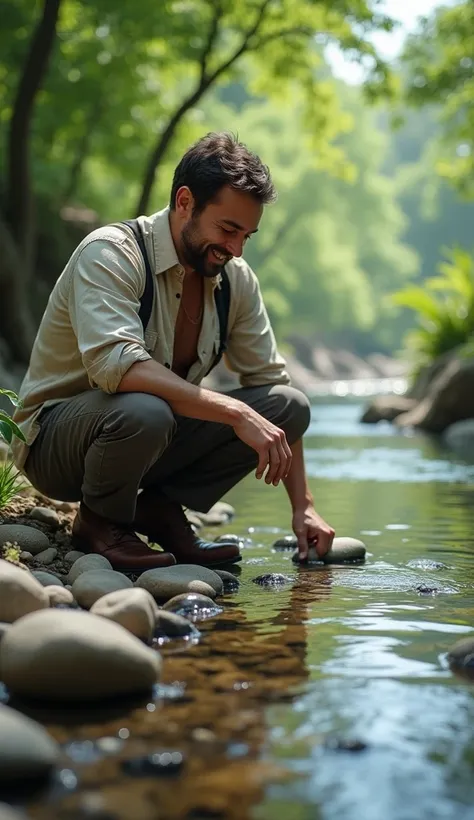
(193,606)
(231,583)
(74,655)
(230,538)
(223,508)
(47,556)
(87,563)
(20,593)
(65,506)
(166,582)
(92,585)
(73,555)
(46,515)
(59,596)
(134,609)
(172,625)
(9,813)
(343,550)
(459,437)
(27,751)
(288,542)
(461,656)
(27,538)
(47,579)
(26,556)
(212,519)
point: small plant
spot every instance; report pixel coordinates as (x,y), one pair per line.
(10,485)
(444,306)
(8,428)
(11,552)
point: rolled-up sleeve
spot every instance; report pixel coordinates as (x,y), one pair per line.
(252,350)
(104,300)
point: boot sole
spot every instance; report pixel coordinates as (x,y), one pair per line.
(210,564)
(82,546)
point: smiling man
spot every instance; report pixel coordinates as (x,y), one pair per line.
(113,412)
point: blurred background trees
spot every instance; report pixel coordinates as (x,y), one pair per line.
(98,102)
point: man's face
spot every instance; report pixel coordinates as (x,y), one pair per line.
(213,237)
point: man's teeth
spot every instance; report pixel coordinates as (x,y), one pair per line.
(219,256)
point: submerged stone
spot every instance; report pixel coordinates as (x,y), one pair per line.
(342,744)
(273,579)
(231,583)
(288,542)
(426,564)
(154,765)
(193,606)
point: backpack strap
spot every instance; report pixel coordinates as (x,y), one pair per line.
(146,300)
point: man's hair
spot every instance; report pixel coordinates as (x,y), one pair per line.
(217,160)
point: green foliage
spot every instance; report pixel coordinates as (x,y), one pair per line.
(8,428)
(439,61)
(10,485)
(444,308)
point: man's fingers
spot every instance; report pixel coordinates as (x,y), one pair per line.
(274,464)
(262,463)
(302,545)
(324,542)
(283,466)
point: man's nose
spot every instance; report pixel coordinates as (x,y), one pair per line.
(235,246)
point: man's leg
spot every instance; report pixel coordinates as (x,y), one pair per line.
(205,460)
(96,448)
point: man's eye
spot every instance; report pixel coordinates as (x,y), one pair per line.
(227,230)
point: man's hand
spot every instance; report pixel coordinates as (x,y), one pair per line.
(268,441)
(311,531)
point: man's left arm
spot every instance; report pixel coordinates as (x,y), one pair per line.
(310,529)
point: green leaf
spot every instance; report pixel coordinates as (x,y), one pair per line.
(12,396)
(7,422)
(6,431)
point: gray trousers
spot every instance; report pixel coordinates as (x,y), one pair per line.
(103,448)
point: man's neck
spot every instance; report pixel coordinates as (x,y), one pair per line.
(176,237)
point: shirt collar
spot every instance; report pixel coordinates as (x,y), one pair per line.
(163,246)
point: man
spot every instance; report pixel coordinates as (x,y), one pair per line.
(113,413)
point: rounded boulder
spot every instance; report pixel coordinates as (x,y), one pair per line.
(134,609)
(27,752)
(166,582)
(92,585)
(30,539)
(86,563)
(20,593)
(75,656)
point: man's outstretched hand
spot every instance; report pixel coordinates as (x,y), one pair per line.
(311,531)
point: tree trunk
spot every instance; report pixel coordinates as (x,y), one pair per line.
(16,325)
(19,208)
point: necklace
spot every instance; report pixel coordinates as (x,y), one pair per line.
(198,318)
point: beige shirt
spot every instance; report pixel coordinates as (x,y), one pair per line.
(91,334)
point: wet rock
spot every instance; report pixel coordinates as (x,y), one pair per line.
(20,593)
(166,582)
(342,744)
(230,538)
(288,542)
(134,609)
(231,583)
(172,625)
(27,538)
(193,606)
(158,764)
(59,596)
(461,656)
(344,550)
(459,437)
(387,408)
(426,564)
(424,589)
(74,656)
(73,555)
(27,752)
(46,515)
(47,556)
(223,508)
(272,580)
(26,556)
(87,563)
(92,585)
(47,579)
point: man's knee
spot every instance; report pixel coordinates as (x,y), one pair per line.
(290,410)
(141,414)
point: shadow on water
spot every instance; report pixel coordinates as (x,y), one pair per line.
(329,697)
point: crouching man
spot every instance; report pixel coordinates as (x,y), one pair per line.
(113,412)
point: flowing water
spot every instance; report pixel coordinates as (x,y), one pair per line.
(329,698)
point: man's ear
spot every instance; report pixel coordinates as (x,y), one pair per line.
(184,203)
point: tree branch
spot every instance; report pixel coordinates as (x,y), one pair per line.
(18,195)
(211,39)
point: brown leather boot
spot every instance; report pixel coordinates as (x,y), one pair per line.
(165,523)
(119,544)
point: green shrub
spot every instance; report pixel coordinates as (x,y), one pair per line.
(10,485)
(444,307)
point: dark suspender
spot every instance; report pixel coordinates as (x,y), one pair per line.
(221,295)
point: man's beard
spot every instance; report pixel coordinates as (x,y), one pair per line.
(196,252)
